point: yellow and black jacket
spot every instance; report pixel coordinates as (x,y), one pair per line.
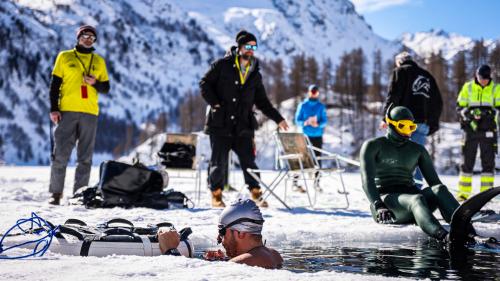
(224,85)
(474,99)
(68,92)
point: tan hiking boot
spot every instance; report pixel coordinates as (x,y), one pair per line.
(56,199)
(217,199)
(257,197)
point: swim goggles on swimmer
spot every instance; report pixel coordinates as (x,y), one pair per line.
(404,127)
(223,228)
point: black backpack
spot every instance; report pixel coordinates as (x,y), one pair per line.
(177,155)
(125,185)
(122,184)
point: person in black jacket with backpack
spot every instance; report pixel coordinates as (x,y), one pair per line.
(416,89)
(232,87)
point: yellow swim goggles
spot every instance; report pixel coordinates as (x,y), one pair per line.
(404,127)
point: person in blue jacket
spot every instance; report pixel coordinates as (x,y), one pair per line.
(311,117)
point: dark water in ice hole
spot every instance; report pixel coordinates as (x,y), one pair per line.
(426,259)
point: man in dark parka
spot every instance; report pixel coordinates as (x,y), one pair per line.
(233,87)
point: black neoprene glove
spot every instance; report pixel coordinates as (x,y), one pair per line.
(384,215)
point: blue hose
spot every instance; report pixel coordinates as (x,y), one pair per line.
(37,226)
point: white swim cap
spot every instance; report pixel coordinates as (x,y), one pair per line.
(242,215)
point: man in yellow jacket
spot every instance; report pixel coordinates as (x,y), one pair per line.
(78,75)
(477,103)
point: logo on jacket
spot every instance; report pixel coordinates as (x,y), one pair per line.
(421,86)
(389,161)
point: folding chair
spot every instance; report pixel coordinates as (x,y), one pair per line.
(297,160)
(198,159)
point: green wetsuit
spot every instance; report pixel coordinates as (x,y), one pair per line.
(387,166)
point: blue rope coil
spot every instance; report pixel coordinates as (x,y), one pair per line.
(38,226)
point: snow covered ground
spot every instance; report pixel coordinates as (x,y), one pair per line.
(25,189)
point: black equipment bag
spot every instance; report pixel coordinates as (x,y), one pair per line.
(177,155)
(123,184)
(91,197)
(169,199)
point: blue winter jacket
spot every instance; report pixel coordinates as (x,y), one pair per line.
(308,108)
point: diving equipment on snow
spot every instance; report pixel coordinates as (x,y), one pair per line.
(117,236)
(44,230)
(462,216)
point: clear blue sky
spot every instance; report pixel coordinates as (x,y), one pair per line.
(472,18)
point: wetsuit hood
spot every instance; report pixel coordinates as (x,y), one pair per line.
(394,137)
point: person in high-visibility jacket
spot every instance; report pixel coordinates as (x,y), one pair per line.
(78,76)
(477,105)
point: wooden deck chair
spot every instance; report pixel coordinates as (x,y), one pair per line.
(198,159)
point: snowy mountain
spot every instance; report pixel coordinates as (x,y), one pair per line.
(427,43)
(324,29)
(155,51)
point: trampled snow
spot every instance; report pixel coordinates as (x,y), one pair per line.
(25,189)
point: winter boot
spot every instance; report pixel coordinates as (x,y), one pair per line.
(257,197)
(56,199)
(217,199)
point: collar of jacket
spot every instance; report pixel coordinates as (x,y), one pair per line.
(253,63)
(409,62)
(477,83)
(84,50)
(231,55)
(231,52)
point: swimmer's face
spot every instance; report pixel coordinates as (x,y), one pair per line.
(229,242)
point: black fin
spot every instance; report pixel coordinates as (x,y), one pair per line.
(462,216)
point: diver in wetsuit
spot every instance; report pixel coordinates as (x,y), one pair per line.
(387,166)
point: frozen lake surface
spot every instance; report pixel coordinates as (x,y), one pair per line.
(325,243)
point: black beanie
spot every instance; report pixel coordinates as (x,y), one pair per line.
(484,71)
(244,37)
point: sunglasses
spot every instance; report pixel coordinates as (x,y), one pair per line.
(88,36)
(223,228)
(251,47)
(405,127)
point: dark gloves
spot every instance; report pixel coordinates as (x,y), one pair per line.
(433,129)
(384,215)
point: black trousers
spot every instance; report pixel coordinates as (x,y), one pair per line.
(488,147)
(318,143)
(244,147)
